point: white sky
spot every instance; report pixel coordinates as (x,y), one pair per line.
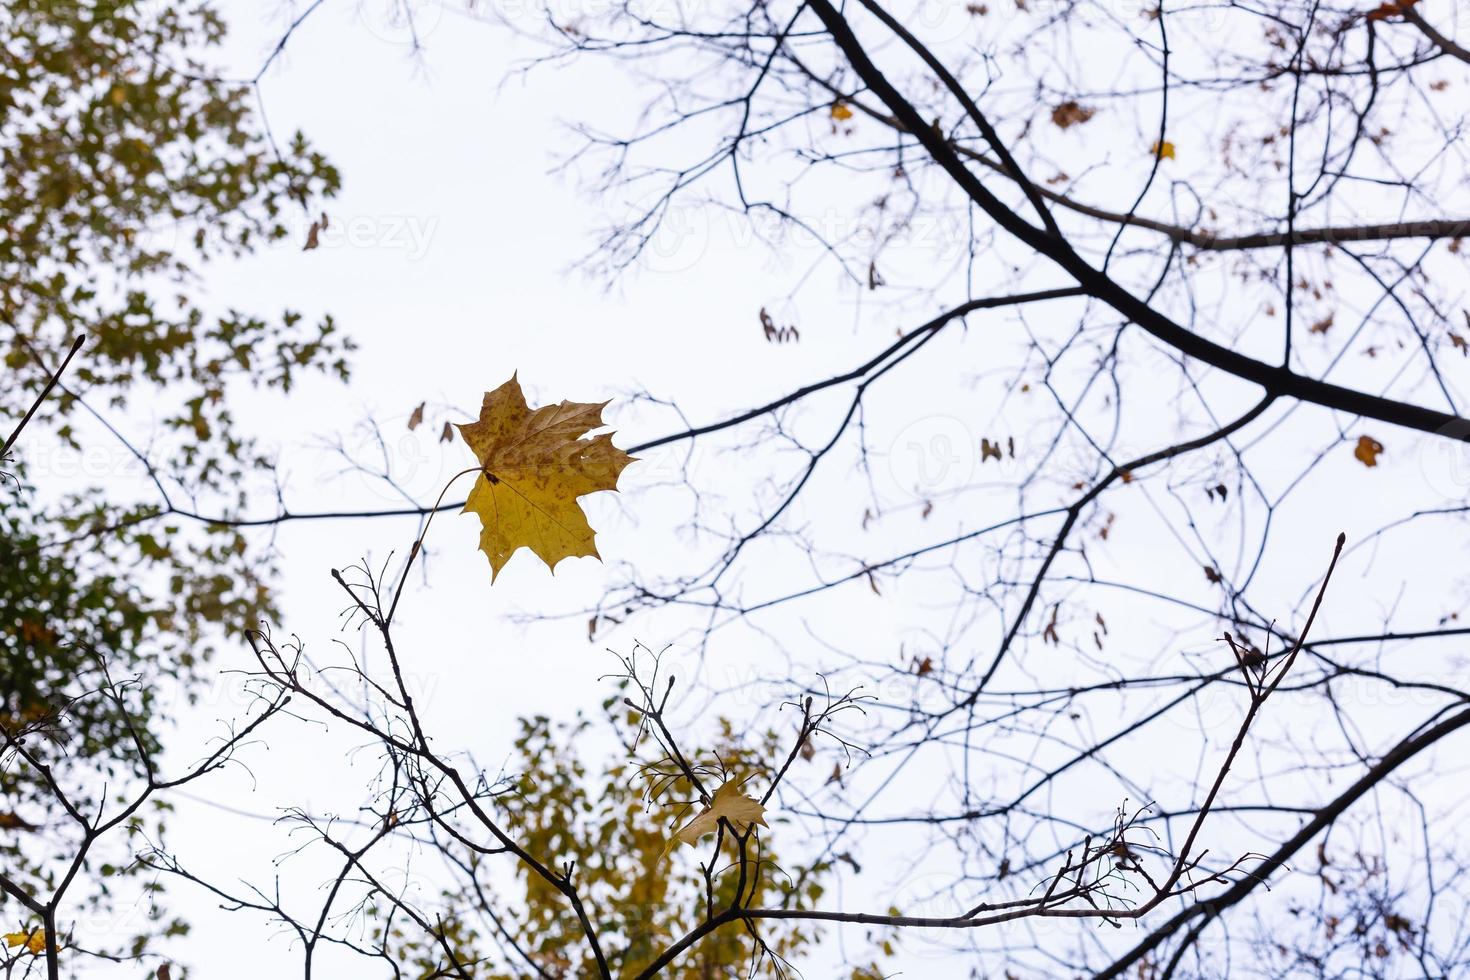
(448,260)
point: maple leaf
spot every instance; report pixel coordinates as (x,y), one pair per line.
(729,804)
(34,942)
(841,112)
(534,466)
(1367,450)
(1164,150)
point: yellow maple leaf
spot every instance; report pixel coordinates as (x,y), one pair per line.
(1164,150)
(729,803)
(1367,450)
(841,112)
(34,942)
(534,466)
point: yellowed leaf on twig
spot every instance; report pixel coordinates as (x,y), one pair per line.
(730,804)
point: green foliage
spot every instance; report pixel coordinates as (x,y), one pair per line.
(613,822)
(67,620)
(126,167)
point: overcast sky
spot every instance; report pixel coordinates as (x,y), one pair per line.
(451,259)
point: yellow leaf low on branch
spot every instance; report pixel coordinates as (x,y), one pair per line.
(728,804)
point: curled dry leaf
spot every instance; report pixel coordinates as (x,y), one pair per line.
(313,234)
(1394,8)
(1367,450)
(1050,634)
(1071,113)
(777,334)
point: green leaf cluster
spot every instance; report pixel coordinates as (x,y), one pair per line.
(127,166)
